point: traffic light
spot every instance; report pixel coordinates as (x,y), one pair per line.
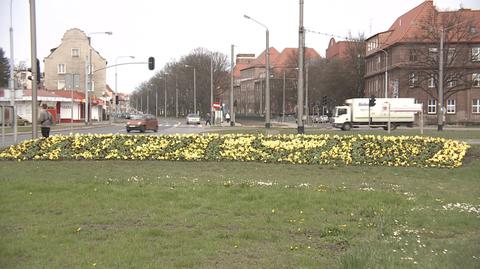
(371,101)
(151,63)
(117,100)
(324,100)
(37,75)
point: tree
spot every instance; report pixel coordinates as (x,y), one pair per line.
(4,69)
(458,67)
(179,80)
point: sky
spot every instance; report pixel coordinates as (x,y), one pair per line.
(168,30)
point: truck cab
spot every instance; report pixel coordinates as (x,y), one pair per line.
(342,117)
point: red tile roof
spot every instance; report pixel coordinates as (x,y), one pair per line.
(288,57)
(408,27)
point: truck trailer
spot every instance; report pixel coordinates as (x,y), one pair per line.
(357,112)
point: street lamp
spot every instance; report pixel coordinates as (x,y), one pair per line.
(267,68)
(116,91)
(90,72)
(165,78)
(194,87)
(386,72)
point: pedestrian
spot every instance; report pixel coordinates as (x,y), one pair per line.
(227,117)
(207,120)
(45,118)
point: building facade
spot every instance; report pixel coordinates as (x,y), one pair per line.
(67,68)
(405,61)
(250,81)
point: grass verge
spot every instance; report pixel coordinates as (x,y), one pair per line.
(159,214)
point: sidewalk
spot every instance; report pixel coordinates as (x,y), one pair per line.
(57,127)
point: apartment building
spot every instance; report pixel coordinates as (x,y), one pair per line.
(404,61)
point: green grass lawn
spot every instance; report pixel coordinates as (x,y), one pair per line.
(159,214)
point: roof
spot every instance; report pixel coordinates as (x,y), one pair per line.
(287,57)
(408,27)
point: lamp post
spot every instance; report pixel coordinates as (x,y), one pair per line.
(116,76)
(267,73)
(301,56)
(386,72)
(232,109)
(12,82)
(194,87)
(165,78)
(211,87)
(90,72)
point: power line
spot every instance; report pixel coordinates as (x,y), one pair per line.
(331,35)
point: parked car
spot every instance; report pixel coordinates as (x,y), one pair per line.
(193,118)
(319,118)
(142,122)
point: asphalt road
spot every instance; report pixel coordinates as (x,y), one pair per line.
(166,126)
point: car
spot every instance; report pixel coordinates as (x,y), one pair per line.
(193,118)
(142,123)
(319,118)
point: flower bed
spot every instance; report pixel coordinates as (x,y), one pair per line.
(298,149)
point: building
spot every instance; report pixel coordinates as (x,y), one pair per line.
(67,67)
(249,82)
(337,49)
(403,61)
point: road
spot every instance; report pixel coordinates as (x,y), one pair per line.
(166,126)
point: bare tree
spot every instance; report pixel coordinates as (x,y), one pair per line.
(457,54)
(178,80)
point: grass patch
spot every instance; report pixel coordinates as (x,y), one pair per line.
(161,214)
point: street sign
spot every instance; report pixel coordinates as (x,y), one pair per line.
(216,105)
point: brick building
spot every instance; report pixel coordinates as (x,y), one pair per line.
(249,83)
(404,61)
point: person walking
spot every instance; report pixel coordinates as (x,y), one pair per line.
(45,119)
(207,120)
(227,117)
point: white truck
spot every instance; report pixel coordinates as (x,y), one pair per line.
(357,112)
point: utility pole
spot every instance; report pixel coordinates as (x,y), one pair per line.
(176,97)
(301,45)
(440,84)
(33,41)
(12,80)
(211,87)
(283,97)
(165,95)
(232,109)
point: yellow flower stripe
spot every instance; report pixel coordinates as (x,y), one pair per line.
(298,149)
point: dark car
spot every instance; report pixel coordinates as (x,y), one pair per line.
(142,122)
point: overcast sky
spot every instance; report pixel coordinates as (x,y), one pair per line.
(168,30)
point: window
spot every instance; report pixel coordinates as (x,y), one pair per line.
(61,68)
(413,56)
(476,79)
(60,84)
(93,86)
(431,82)
(451,83)
(476,106)
(90,67)
(432,106)
(476,54)
(451,106)
(451,55)
(432,54)
(412,80)
(75,52)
